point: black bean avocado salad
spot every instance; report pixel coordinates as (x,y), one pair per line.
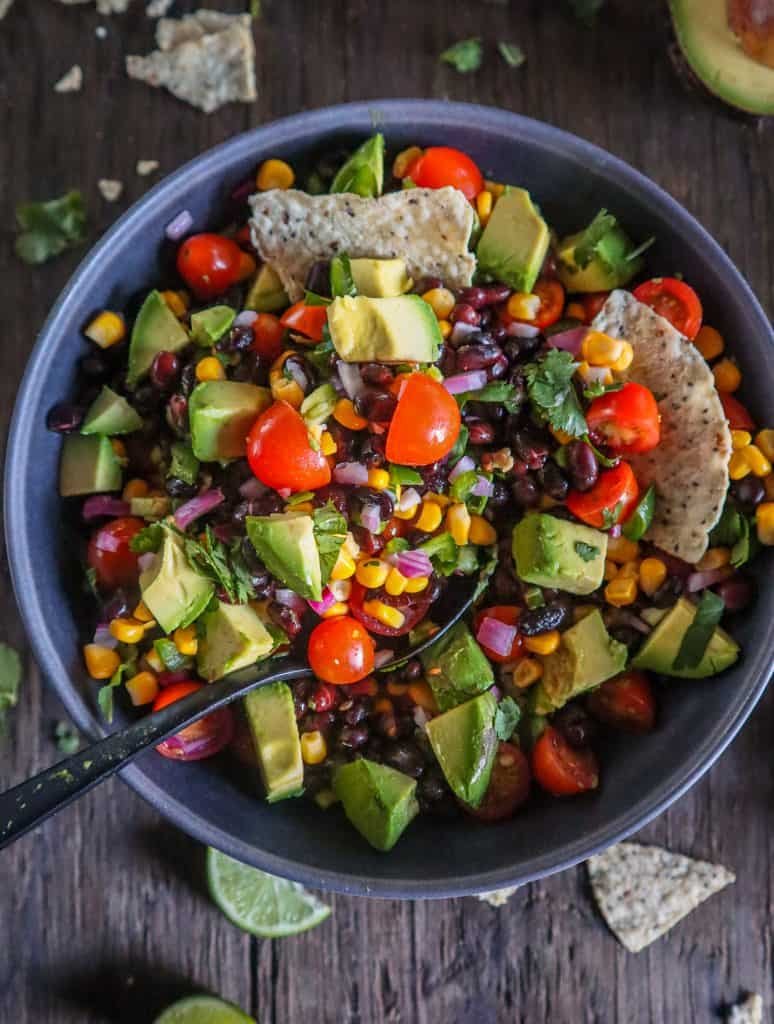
(353,395)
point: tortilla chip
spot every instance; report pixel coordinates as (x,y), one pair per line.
(71,81)
(497,897)
(643,891)
(206,59)
(690,466)
(749,1011)
(428,228)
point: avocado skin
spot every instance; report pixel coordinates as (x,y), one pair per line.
(378,800)
(659,650)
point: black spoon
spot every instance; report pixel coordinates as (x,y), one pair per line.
(31,802)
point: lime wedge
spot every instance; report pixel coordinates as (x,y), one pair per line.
(203,1010)
(260,903)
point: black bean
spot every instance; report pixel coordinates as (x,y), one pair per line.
(499,496)
(499,367)
(412,670)
(285,618)
(405,757)
(146,399)
(376,374)
(749,491)
(372,451)
(475,297)
(353,737)
(530,447)
(504,584)
(94,366)
(575,725)
(299,704)
(541,620)
(318,278)
(477,357)
(447,364)
(164,371)
(737,592)
(464,314)
(188,379)
(553,481)
(480,432)
(525,492)
(238,339)
(117,606)
(582,466)
(377,406)
(432,786)
(355,713)
(177,414)
(386,724)
(318,721)
(64,417)
(177,488)
(668,592)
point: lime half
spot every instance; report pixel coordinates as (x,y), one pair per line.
(203,1010)
(259,903)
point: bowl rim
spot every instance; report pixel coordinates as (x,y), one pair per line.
(319,122)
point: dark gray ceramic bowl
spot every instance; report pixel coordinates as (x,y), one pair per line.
(641,776)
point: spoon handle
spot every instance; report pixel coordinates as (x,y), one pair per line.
(34,800)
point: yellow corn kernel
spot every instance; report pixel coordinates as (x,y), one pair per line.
(442,302)
(344,567)
(210,368)
(768,484)
(714,558)
(384,706)
(404,160)
(379,479)
(600,349)
(442,500)
(653,572)
(177,302)
(624,361)
(372,572)
(106,329)
(738,466)
(709,342)
(341,589)
(335,610)
(740,439)
(395,583)
(495,187)
(285,390)
(621,549)
(142,613)
(585,373)
(101,662)
(127,631)
(350,546)
(417,584)
(481,531)
(727,376)
(611,569)
(430,517)
(445,327)
(630,570)
(458,523)
(314,749)
(764,439)
(621,591)
(327,445)
(142,688)
(384,613)
(484,204)
(135,489)
(764,522)
(422,695)
(523,306)
(186,640)
(274,174)
(757,461)
(543,643)
(575,311)
(407,513)
(344,413)
(527,672)
(119,448)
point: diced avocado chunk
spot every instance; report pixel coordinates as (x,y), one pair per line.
(155,330)
(221,413)
(380,279)
(272,719)
(456,668)
(110,414)
(88,465)
(378,800)
(598,258)
(551,552)
(586,657)
(464,741)
(234,637)
(403,329)
(285,543)
(363,173)
(266,294)
(660,648)
(514,243)
(174,593)
(209,325)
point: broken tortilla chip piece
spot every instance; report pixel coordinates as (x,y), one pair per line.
(428,228)
(689,467)
(749,1011)
(643,891)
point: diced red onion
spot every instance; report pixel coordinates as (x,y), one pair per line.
(201,739)
(496,635)
(328,600)
(482,488)
(708,578)
(168,678)
(459,382)
(146,561)
(409,499)
(351,379)
(517,330)
(413,564)
(354,473)
(497,693)
(244,190)
(290,599)
(382,656)
(179,225)
(99,505)
(253,488)
(464,465)
(615,530)
(570,340)
(371,518)
(298,375)
(284,492)
(198,506)
(103,637)
(246,318)
(461,331)
(597,375)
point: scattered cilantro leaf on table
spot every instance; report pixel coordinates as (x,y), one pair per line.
(49,228)
(464,56)
(552,392)
(10,678)
(66,738)
(512,54)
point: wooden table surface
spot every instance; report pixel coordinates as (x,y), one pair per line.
(103,916)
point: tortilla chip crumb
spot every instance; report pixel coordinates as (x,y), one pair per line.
(146,167)
(749,1011)
(158,8)
(5,6)
(110,188)
(71,81)
(497,897)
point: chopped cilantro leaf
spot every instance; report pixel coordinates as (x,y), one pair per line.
(552,392)
(585,248)
(66,737)
(149,538)
(342,282)
(610,516)
(507,718)
(464,56)
(222,564)
(588,552)
(708,614)
(48,228)
(105,693)
(330,532)
(597,388)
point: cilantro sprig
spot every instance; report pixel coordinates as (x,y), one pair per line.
(49,228)
(552,392)
(223,564)
(464,56)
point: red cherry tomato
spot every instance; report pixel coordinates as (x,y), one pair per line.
(592,303)
(111,557)
(341,651)
(615,489)
(738,417)
(439,166)
(675,300)
(425,423)
(560,769)
(509,614)
(413,607)
(508,788)
(279,452)
(204,738)
(551,295)
(306,320)
(626,702)
(209,264)
(268,333)
(627,420)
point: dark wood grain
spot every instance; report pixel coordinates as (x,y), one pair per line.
(103,915)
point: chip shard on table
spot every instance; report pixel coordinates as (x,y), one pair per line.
(497,897)
(146,167)
(643,891)
(71,81)
(748,1011)
(110,189)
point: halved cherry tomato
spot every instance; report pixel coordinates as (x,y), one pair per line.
(306,320)
(280,454)
(509,614)
(413,607)
(625,702)
(551,295)
(109,553)
(209,264)
(268,333)
(737,415)
(200,739)
(675,300)
(508,788)
(439,166)
(340,651)
(627,420)
(611,500)
(560,769)
(425,423)
(592,303)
